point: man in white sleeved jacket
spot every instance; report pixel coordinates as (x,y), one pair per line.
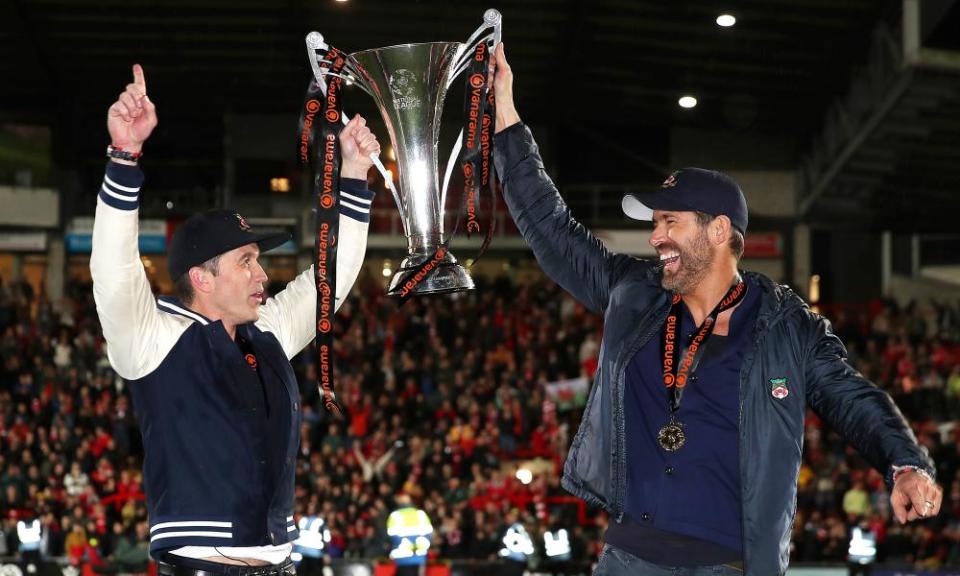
(214,392)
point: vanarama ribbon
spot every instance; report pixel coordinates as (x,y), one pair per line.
(326,163)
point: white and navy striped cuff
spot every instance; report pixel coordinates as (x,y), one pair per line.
(121,186)
(191,529)
(355,199)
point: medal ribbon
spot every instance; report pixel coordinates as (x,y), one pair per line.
(326,187)
(676,375)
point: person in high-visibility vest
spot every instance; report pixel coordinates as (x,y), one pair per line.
(410,530)
(517,545)
(311,545)
(29,534)
(557,548)
(556,545)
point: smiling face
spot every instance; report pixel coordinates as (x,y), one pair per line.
(235,293)
(684,248)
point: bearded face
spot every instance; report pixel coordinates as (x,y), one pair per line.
(686,254)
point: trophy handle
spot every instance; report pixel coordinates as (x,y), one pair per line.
(491,19)
(490,32)
(451,161)
(315,42)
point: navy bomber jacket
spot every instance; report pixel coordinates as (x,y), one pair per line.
(213,475)
(789,341)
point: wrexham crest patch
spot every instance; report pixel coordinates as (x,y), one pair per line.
(778,388)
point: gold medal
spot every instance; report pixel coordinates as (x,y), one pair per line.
(671,436)
(676,375)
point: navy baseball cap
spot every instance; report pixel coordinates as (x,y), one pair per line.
(692,190)
(212,233)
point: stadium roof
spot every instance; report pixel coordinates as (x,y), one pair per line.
(612,70)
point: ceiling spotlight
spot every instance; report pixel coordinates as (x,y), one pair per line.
(687,101)
(726,20)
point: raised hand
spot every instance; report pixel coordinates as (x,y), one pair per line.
(357,143)
(501,77)
(132,118)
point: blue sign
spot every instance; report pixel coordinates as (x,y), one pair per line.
(83,243)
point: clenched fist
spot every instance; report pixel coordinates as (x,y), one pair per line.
(357,143)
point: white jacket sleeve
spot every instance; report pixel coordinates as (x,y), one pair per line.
(292,314)
(138,336)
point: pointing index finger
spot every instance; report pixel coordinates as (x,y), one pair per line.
(138,77)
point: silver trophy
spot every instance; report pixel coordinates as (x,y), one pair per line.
(409,83)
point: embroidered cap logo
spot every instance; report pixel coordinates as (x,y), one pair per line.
(243,223)
(671,180)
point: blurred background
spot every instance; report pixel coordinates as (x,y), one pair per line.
(840,119)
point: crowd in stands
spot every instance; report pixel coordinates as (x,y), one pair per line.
(444,396)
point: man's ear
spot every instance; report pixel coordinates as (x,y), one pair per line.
(721,228)
(201,280)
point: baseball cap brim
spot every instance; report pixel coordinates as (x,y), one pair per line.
(267,242)
(641,206)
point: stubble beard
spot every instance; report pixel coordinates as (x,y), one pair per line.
(695,262)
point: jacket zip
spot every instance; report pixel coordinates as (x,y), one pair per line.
(619,449)
(761,327)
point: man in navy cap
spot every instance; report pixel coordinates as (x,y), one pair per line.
(215,396)
(692,434)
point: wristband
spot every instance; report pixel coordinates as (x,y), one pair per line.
(121,154)
(899,471)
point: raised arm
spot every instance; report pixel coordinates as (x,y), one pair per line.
(133,328)
(565,249)
(291,315)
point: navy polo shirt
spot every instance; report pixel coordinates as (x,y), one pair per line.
(683,508)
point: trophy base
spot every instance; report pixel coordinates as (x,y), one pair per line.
(449,276)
